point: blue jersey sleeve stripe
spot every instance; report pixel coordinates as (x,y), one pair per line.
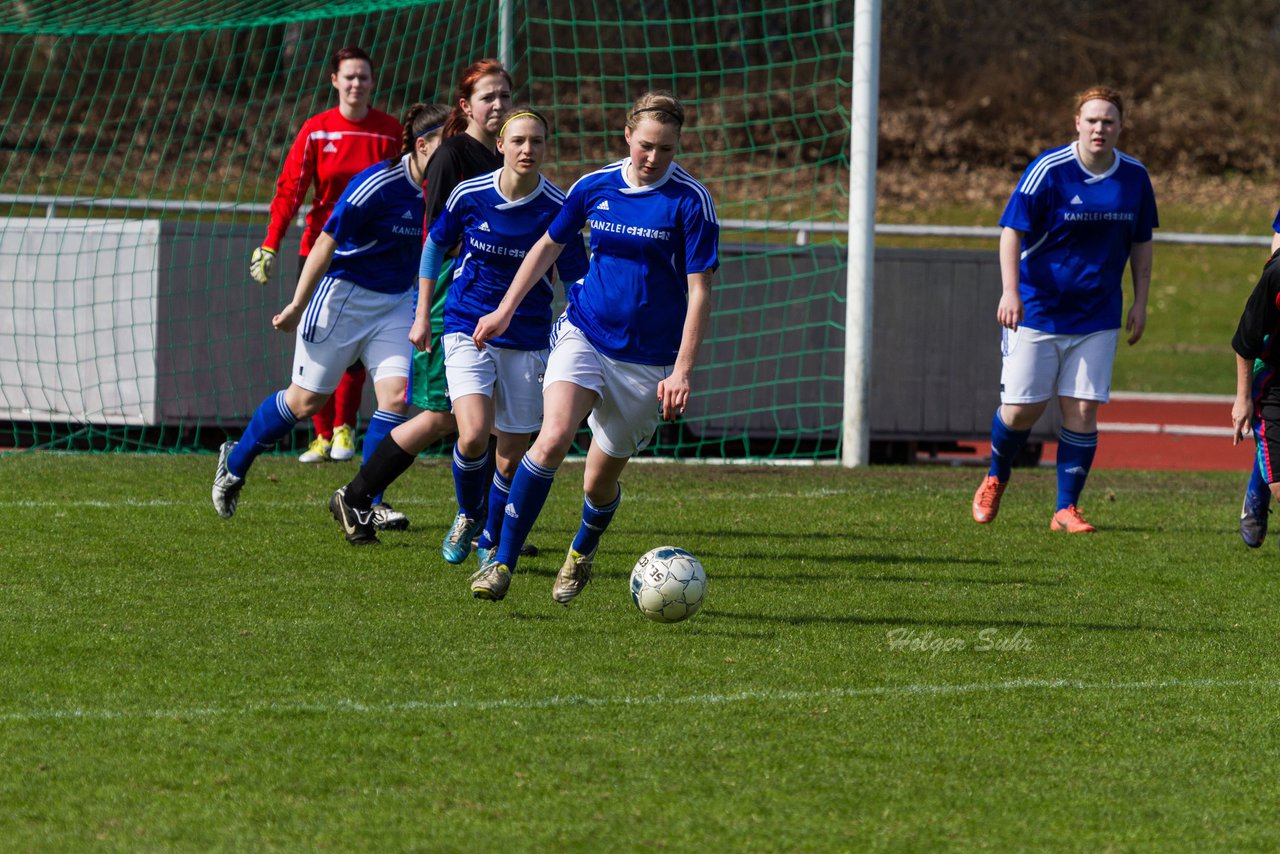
(470,185)
(1031,180)
(1036,174)
(704,196)
(370,186)
(460,192)
(612,167)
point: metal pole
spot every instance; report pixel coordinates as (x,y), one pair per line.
(855,445)
(506,32)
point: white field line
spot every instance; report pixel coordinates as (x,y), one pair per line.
(407,501)
(352,707)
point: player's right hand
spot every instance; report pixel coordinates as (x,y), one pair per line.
(1009,312)
(420,335)
(1241,419)
(489,327)
(260,264)
(287,320)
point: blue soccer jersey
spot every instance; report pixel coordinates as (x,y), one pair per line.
(1078,229)
(377,225)
(496,234)
(645,241)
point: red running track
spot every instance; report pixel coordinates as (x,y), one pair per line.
(1162,431)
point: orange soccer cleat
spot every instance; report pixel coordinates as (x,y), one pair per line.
(1069,519)
(986,501)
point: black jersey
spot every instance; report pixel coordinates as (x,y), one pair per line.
(1256,334)
(458,158)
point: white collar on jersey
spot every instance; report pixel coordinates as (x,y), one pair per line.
(636,188)
(408,172)
(1095,176)
(523,200)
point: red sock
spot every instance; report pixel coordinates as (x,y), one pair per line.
(348,395)
(323,420)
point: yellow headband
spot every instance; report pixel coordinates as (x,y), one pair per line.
(515,116)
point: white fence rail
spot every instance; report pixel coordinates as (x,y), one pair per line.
(802,230)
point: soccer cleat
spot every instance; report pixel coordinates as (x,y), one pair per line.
(457,543)
(387,518)
(357,525)
(1253,518)
(344,443)
(317,451)
(483,555)
(491,581)
(572,577)
(986,501)
(1069,519)
(226,486)
(527,550)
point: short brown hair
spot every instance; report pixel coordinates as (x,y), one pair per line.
(1100,93)
(350,52)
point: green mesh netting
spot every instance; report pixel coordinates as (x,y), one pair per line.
(141,142)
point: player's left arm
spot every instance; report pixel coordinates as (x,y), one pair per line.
(702,256)
(673,391)
(313,271)
(1140,255)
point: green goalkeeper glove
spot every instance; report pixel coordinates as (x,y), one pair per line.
(260,264)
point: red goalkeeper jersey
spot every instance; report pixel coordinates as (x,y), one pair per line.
(327,154)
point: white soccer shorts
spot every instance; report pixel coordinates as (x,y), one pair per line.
(513,378)
(628,410)
(344,323)
(1039,365)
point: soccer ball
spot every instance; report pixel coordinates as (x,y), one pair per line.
(668,584)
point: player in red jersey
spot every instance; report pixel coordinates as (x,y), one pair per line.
(329,150)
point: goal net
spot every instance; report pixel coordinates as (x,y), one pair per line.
(142,141)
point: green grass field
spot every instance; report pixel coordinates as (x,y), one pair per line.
(871,670)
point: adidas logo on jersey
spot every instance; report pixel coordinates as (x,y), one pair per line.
(1077,201)
(330,148)
(603,206)
(407,215)
(484,226)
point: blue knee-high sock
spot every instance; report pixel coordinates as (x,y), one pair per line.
(497,504)
(271,422)
(469,482)
(1005,445)
(491,466)
(1259,491)
(529,488)
(1075,457)
(382,423)
(594,521)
